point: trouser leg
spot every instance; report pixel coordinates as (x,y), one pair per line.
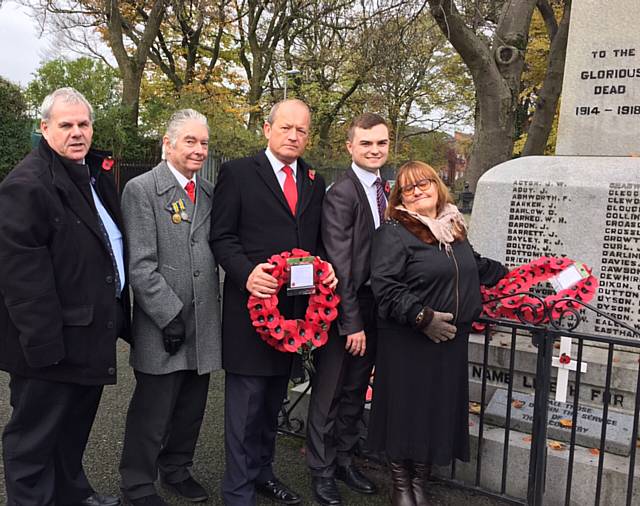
(147,425)
(326,385)
(275,392)
(176,457)
(357,372)
(44,441)
(251,413)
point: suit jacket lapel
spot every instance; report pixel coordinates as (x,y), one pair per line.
(166,186)
(106,190)
(362,197)
(265,171)
(204,196)
(305,185)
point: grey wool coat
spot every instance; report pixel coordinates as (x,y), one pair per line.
(171,270)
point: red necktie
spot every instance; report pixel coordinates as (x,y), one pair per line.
(290,189)
(190,188)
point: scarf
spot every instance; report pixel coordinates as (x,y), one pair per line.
(442,225)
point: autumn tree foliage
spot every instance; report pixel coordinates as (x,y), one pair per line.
(425,65)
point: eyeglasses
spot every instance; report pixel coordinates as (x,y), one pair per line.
(423,184)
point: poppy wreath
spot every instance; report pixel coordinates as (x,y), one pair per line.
(295,335)
(497,304)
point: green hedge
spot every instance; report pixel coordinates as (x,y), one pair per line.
(15,127)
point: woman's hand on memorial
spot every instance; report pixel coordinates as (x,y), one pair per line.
(439,329)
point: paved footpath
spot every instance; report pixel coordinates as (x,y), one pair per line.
(105,446)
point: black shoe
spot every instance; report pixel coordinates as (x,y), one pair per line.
(147,500)
(96,499)
(355,480)
(325,491)
(277,491)
(188,489)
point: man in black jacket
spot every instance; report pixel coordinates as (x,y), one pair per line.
(263,205)
(353,208)
(63,304)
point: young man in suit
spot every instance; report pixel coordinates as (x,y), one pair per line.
(63,304)
(353,208)
(263,205)
(176,314)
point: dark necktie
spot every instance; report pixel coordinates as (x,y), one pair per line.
(382,202)
(107,241)
(190,188)
(290,189)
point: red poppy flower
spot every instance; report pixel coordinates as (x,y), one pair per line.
(107,164)
(319,338)
(322,288)
(291,343)
(273,319)
(305,331)
(312,174)
(328,314)
(313,317)
(321,271)
(297,252)
(325,299)
(277,331)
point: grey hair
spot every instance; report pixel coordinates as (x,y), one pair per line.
(274,110)
(66,95)
(177,121)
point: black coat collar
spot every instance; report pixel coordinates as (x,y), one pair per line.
(305,181)
(73,180)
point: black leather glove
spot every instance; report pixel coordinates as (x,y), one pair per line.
(173,335)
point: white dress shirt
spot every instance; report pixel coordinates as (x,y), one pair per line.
(115,236)
(277,167)
(182,180)
(368,182)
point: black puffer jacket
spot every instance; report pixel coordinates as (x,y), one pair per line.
(408,274)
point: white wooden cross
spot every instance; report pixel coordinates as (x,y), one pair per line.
(565,363)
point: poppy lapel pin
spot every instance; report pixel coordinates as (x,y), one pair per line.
(107,164)
(312,174)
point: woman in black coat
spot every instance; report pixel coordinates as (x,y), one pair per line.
(426,280)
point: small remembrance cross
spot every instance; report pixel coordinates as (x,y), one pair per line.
(565,363)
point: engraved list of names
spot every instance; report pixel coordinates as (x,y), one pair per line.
(535,221)
(620,269)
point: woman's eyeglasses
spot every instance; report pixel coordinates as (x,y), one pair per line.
(423,184)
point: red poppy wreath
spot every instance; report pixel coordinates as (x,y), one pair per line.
(295,335)
(497,303)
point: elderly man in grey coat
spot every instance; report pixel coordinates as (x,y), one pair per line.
(176,315)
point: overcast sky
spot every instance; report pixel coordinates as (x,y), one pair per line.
(21,51)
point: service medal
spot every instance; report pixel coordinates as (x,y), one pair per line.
(176,217)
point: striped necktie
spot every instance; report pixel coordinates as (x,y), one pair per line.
(381,200)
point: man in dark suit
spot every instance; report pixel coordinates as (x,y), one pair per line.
(263,205)
(64,303)
(353,208)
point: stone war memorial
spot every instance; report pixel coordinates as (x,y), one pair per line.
(584,204)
